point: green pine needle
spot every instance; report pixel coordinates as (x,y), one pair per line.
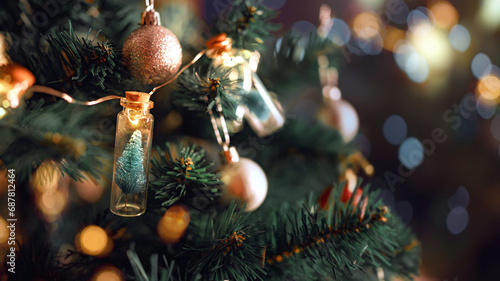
(229,247)
(184,175)
(246,22)
(200,93)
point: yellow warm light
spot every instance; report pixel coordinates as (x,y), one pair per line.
(445,15)
(367,25)
(351,180)
(432,44)
(52,203)
(93,240)
(108,273)
(46,177)
(4,231)
(2,112)
(488,87)
(173,224)
(488,14)
(391,37)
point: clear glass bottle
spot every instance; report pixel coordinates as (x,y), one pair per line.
(261,110)
(134,128)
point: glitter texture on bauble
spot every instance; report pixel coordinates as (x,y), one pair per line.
(152,53)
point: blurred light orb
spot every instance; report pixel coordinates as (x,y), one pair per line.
(459,199)
(4,231)
(485,108)
(457,220)
(367,25)
(480,65)
(88,190)
(495,127)
(432,44)
(303,28)
(402,51)
(411,153)
(488,87)
(340,34)
(93,240)
(417,68)
(445,15)
(459,38)
(173,224)
(419,22)
(488,13)
(108,273)
(395,129)
(391,36)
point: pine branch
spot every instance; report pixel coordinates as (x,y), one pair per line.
(199,93)
(340,242)
(60,132)
(246,22)
(228,247)
(183,175)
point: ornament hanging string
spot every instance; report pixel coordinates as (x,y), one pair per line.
(215,46)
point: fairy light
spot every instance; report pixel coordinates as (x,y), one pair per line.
(94,241)
(4,231)
(445,15)
(173,224)
(367,25)
(488,87)
(108,273)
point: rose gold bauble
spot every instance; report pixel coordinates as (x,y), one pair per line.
(152,53)
(341,115)
(245,182)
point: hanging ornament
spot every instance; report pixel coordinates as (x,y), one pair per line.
(14,81)
(244,180)
(336,112)
(152,53)
(132,152)
(261,110)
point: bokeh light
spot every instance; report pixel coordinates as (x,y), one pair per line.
(395,129)
(340,34)
(488,87)
(367,25)
(459,38)
(419,22)
(495,127)
(411,153)
(52,203)
(89,190)
(485,108)
(46,177)
(391,36)
(417,68)
(457,220)
(488,14)
(173,224)
(275,4)
(459,199)
(94,241)
(303,28)
(432,44)
(480,65)
(4,232)
(108,273)
(445,15)
(371,4)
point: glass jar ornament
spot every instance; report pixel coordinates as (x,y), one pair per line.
(262,111)
(132,153)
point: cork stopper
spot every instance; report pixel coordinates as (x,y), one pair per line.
(137,96)
(137,100)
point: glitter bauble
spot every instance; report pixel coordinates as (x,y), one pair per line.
(341,115)
(245,182)
(152,54)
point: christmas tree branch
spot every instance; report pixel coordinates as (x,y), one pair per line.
(183,175)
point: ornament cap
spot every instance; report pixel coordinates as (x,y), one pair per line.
(230,155)
(150,18)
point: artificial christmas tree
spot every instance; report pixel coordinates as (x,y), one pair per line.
(191,229)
